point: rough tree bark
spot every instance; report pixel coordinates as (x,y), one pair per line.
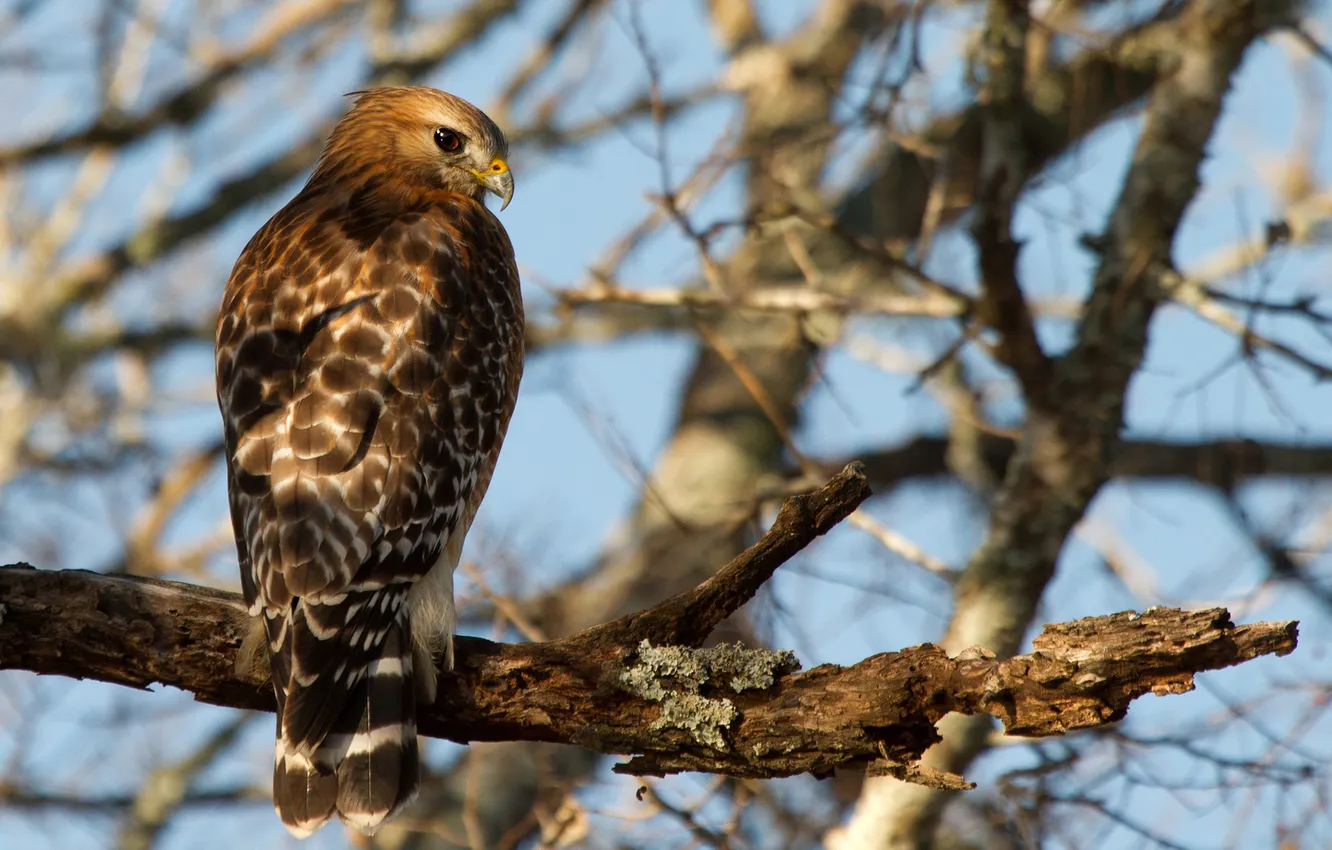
(643,686)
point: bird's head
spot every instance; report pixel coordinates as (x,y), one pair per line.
(423,136)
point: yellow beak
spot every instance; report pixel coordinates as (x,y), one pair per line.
(498,179)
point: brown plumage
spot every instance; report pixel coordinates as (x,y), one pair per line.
(368,357)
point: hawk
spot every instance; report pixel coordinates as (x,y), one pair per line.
(369,351)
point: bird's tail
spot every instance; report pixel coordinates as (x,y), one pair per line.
(352,751)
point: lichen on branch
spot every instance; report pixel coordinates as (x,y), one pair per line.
(674,676)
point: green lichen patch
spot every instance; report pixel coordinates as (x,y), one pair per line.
(674,677)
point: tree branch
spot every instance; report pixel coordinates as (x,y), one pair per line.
(641,686)
(188,103)
(1222,463)
(1003,172)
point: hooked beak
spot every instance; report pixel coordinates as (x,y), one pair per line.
(498,179)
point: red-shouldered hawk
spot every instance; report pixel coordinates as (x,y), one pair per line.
(368,357)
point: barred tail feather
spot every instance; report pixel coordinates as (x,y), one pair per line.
(303,794)
(356,755)
(380,770)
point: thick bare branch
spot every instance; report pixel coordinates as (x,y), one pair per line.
(640,685)
(722,710)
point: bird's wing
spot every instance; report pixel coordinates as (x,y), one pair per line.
(362,371)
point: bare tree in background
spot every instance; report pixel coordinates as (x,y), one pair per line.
(922,190)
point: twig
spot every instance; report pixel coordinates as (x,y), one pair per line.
(776,300)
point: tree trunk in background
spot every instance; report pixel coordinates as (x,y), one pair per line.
(1064,453)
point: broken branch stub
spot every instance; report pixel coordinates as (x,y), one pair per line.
(1086,672)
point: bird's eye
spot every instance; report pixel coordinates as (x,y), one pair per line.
(447,140)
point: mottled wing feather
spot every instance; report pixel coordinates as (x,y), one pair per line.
(366,369)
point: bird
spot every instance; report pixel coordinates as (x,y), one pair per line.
(369,351)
